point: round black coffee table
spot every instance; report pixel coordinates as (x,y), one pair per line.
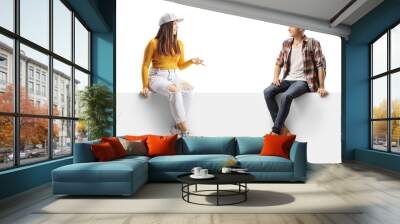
(238,179)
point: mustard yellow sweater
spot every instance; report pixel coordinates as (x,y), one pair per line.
(161,61)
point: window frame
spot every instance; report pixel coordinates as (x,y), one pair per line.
(388,74)
(15,71)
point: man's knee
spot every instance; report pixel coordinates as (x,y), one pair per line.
(268,92)
(287,96)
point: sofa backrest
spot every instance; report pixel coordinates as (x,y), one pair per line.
(193,145)
(83,152)
(249,145)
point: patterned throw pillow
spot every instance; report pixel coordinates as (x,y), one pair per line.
(134,147)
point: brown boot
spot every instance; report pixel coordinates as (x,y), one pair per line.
(285,131)
(273,133)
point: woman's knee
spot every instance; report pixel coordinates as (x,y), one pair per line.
(172,88)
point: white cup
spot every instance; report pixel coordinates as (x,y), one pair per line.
(203,172)
(196,171)
(226,170)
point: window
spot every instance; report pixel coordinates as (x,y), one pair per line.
(43,77)
(62,29)
(44,91)
(81,81)
(33,147)
(62,137)
(3,61)
(81,45)
(45,131)
(30,72)
(30,87)
(6,72)
(6,142)
(3,78)
(37,75)
(385,94)
(35,21)
(7,14)
(38,89)
(62,75)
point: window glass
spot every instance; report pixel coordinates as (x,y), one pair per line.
(379,55)
(7,14)
(30,58)
(81,45)
(34,21)
(379,97)
(33,140)
(6,74)
(62,29)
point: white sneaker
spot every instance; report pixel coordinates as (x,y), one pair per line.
(185,134)
(174,130)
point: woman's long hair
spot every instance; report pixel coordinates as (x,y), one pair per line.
(167,41)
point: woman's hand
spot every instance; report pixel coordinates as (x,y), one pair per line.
(197,61)
(145,92)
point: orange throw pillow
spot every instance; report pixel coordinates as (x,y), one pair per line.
(116,145)
(103,151)
(277,145)
(161,145)
(136,138)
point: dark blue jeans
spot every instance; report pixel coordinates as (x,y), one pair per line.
(290,89)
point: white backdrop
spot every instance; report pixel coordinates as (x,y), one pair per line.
(239,54)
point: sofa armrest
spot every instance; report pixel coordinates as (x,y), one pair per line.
(298,155)
(83,152)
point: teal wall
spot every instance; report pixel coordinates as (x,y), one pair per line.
(24,178)
(99,15)
(356,85)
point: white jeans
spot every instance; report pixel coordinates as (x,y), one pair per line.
(179,101)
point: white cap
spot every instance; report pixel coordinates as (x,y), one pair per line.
(168,17)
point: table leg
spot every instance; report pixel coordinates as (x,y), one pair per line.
(245,193)
(217,194)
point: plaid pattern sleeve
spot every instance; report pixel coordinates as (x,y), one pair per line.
(280,59)
(319,58)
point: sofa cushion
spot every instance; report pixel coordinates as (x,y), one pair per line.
(116,145)
(111,171)
(249,145)
(134,147)
(185,163)
(103,151)
(161,145)
(195,145)
(257,163)
(277,145)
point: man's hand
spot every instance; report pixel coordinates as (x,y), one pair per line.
(276,81)
(322,92)
(145,92)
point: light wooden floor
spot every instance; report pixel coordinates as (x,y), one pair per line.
(378,188)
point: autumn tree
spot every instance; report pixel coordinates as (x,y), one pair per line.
(33,131)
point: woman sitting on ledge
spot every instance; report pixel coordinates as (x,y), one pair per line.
(166,53)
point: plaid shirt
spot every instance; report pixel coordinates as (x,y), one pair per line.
(313,60)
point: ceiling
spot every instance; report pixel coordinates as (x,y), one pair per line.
(326,16)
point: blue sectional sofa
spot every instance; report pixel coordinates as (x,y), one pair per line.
(125,176)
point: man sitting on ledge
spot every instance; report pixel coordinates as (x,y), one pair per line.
(304,70)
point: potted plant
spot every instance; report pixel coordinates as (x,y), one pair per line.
(96,102)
